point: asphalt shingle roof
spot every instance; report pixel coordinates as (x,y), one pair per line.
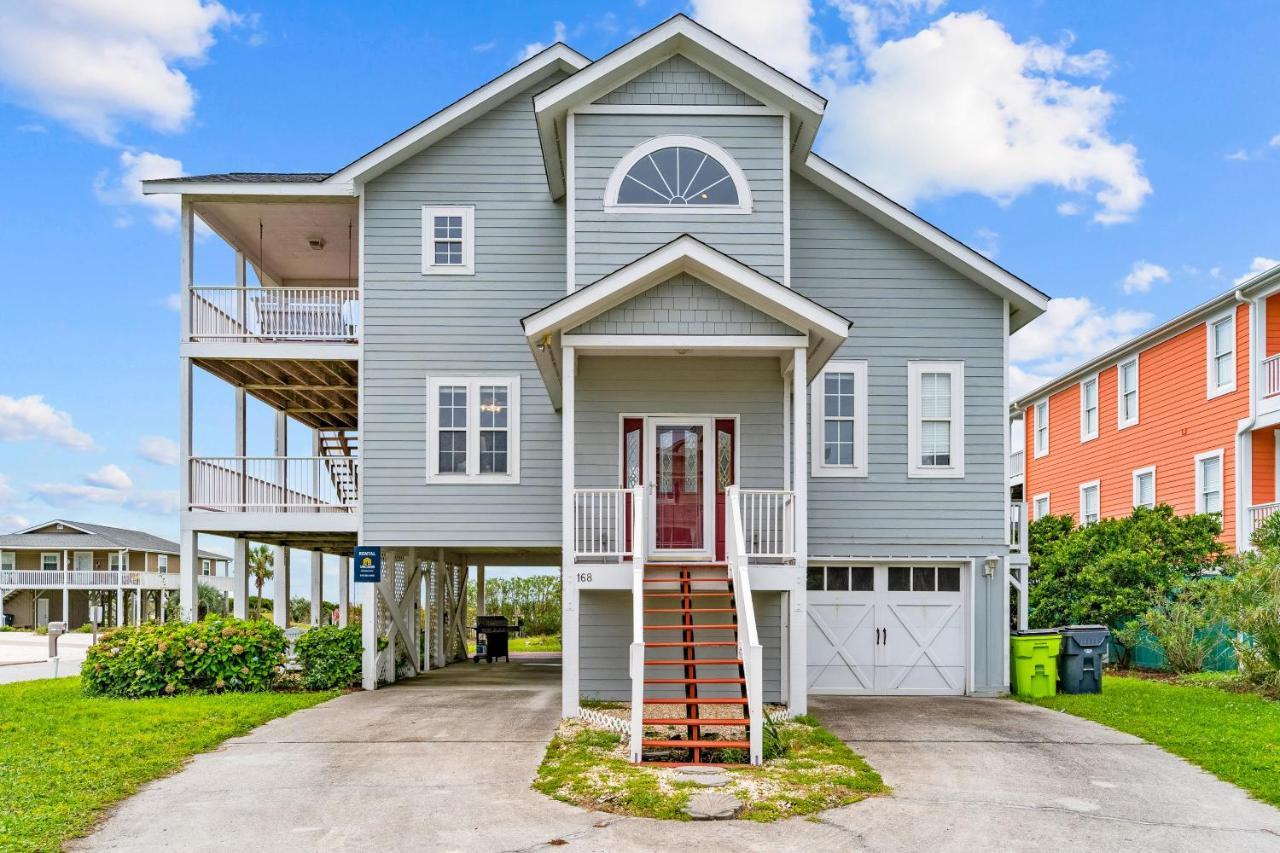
(97,536)
(252,178)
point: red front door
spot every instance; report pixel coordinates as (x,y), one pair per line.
(679,487)
(724,455)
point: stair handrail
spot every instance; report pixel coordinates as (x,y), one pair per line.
(749,651)
(639,538)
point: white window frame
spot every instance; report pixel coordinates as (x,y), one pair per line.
(115,562)
(468,214)
(57,559)
(1084,487)
(1212,389)
(1085,434)
(8,561)
(472,384)
(697,143)
(1035,505)
(1201,458)
(914,371)
(1121,421)
(75,560)
(206,567)
(819,466)
(162,563)
(1138,473)
(1037,450)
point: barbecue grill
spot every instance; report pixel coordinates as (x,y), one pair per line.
(492,633)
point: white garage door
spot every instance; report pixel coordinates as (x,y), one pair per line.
(886,629)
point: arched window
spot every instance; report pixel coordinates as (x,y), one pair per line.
(687,172)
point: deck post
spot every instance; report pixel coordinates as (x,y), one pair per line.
(317,587)
(569,678)
(280,587)
(480,590)
(797,682)
(240,555)
(369,635)
(344,591)
(437,623)
(188,583)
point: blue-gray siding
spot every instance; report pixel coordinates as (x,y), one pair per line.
(678,81)
(605,242)
(683,305)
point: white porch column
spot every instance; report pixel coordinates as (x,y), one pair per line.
(137,607)
(437,623)
(188,577)
(241,445)
(369,635)
(119,607)
(280,587)
(240,556)
(344,591)
(569,691)
(480,590)
(317,587)
(66,607)
(797,683)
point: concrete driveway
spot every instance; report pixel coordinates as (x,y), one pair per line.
(443,762)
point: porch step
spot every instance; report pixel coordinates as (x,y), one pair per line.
(686,565)
(695,721)
(716,701)
(727,593)
(694,681)
(690,610)
(696,662)
(724,579)
(690,627)
(693,644)
(706,744)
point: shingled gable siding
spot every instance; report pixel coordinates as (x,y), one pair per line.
(416,326)
(683,305)
(679,81)
(906,305)
(605,242)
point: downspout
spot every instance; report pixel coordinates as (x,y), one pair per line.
(1244,475)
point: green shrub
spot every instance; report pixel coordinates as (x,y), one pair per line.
(772,744)
(1183,629)
(1248,601)
(217,654)
(330,657)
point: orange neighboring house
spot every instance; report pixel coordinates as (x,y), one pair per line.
(1186,414)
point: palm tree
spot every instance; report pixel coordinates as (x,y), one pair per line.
(260,561)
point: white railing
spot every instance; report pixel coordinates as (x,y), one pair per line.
(749,650)
(274,483)
(1260,513)
(767,524)
(56,579)
(1017,464)
(274,314)
(638,522)
(1271,376)
(600,522)
(1018,524)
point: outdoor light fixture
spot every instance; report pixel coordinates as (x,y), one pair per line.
(316,243)
(989,566)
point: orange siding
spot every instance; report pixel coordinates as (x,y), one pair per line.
(1264,466)
(1175,423)
(1273,325)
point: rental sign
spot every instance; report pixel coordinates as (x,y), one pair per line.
(368,559)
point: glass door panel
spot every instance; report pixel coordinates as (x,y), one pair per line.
(679,504)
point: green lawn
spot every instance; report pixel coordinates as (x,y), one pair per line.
(541,643)
(1234,736)
(64,758)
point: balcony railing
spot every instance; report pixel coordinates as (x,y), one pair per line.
(1260,513)
(275,483)
(56,579)
(1018,524)
(1017,464)
(1271,376)
(601,523)
(324,314)
(768,524)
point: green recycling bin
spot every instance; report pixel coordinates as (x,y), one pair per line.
(1034,658)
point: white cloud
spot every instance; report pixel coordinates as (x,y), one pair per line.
(7,492)
(1142,276)
(109,476)
(1275,141)
(779,32)
(1259,265)
(1238,154)
(867,20)
(535,47)
(10,522)
(962,107)
(157,502)
(1072,330)
(485,46)
(123,189)
(158,449)
(95,64)
(986,242)
(31,418)
(1070,208)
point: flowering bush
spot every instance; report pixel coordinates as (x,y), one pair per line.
(330,657)
(215,655)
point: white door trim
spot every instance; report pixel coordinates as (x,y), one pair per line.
(708,549)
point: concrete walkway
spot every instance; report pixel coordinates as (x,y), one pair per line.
(443,762)
(24,656)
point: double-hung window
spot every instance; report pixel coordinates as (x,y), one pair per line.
(1209,482)
(1221,333)
(1040,422)
(113,562)
(50,562)
(1144,487)
(448,240)
(1127,393)
(839,401)
(473,429)
(935,413)
(8,561)
(1089,408)
(1039,506)
(1090,500)
(162,563)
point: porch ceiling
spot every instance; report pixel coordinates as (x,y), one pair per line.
(318,394)
(283,250)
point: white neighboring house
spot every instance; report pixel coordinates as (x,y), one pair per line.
(618,318)
(54,571)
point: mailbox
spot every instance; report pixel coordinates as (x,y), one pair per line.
(56,630)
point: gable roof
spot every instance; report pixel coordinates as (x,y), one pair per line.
(677,35)
(93,536)
(1025,302)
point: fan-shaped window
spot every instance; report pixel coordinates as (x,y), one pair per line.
(678,171)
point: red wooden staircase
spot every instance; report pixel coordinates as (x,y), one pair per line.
(690,627)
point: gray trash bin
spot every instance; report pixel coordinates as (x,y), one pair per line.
(1080,658)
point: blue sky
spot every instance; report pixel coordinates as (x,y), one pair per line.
(1121,157)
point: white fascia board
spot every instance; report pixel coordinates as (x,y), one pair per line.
(53,521)
(715,268)
(1029,302)
(328,188)
(558,57)
(270,522)
(710,344)
(677,35)
(271,350)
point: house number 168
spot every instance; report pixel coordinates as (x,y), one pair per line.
(584,577)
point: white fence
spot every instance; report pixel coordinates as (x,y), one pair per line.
(274,483)
(600,522)
(1017,464)
(1018,523)
(274,314)
(39,579)
(1271,376)
(768,519)
(1260,513)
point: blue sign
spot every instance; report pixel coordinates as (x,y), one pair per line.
(368,563)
